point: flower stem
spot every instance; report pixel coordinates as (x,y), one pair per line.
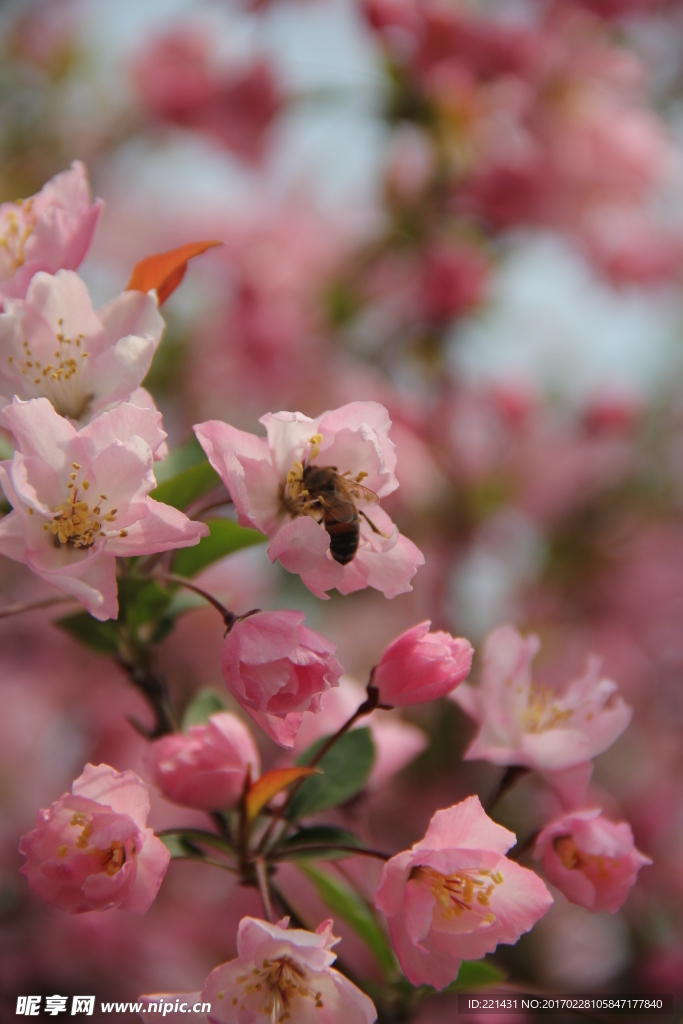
(264,888)
(360,851)
(170,577)
(29,606)
(508,779)
(366,708)
(153,687)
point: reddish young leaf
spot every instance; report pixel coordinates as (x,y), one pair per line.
(265,788)
(165,270)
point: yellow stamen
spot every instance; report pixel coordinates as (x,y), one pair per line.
(457,894)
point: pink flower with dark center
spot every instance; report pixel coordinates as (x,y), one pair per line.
(91,850)
(593,861)
(50,231)
(205,767)
(81,497)
(523,722)
(53,344)
(313,486)
(276,668)
(455,896)
(284,974)
(420,666)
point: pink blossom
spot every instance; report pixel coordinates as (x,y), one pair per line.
(271,309)
(420,666)
(281,970)
(454,896)
(81,497)
(50,231)
(630,247)
(268,479)
(526,723)
(396,742)
(592,860)
(206,767)
(180,82)
(276,668)
(53,344)
(91,849)
(452,281)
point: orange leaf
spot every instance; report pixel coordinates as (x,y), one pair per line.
(165,270)
(265,788)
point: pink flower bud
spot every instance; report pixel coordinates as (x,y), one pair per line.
(591,860)
(276,668)
(420,666)
(91,850)
(206,767)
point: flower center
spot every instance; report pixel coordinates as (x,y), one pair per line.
(276,985)
(542,711)
(112,859)
(62,381)
(293,494)
(590,864)
(460,892)
(14,233)
(74,523)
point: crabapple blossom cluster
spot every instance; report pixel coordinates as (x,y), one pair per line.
(260,759)
(589,858)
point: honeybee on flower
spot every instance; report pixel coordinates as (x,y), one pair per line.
(307,485)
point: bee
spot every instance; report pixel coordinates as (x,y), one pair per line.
(335,496)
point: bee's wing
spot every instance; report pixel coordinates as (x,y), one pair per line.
(358,491)
(339,509)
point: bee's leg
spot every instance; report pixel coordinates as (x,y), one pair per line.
(372,526)
(315,513)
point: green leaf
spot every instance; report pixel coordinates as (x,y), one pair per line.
(348,905)
(141,601)
(345,771)
(476,974)
(102,637)
(323,839)
(201,707)
(184,842)
(224,538)
(175,844)
(184,488)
